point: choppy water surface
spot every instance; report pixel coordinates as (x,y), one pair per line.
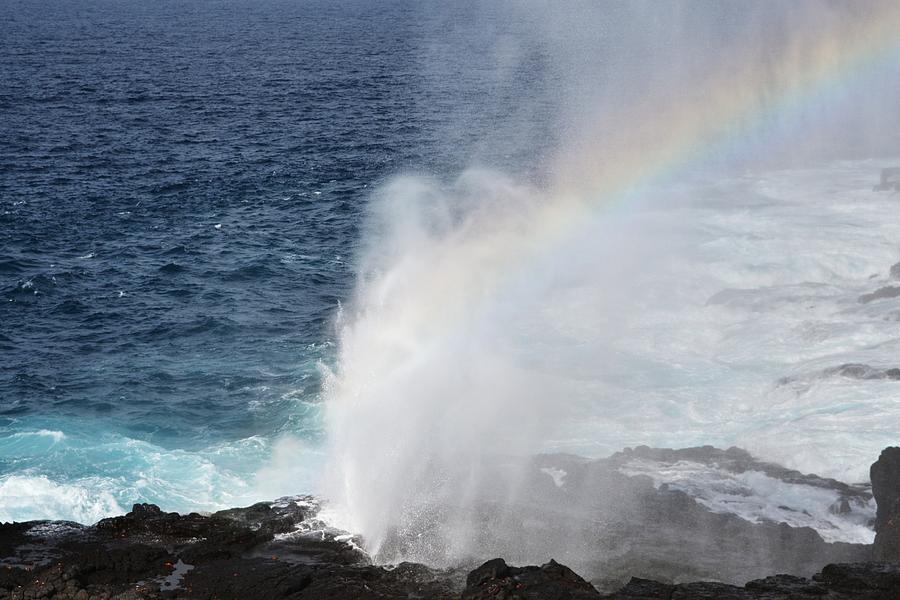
(180,196)
(182,193)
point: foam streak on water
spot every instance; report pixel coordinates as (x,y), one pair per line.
(757,497)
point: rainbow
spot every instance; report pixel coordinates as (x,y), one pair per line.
(739,110)
(745,106)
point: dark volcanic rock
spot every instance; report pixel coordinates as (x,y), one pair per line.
(866,580)
(885,475)
(665,534)
(857,581)
(98,564)
(251,578)
(737,460)
(266,517)
(495,580)
(860,371)
(895,271)
(849,370)
(191,536)
(890,291)
(608,525)
(407,580)
(149,553)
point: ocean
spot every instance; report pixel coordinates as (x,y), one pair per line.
(187,193)
(181,192)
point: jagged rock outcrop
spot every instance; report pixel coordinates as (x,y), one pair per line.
(737,460)
(883,293)
(662,532)
(857,581)
(860,371)
(630,527)
(151,554)
(885,476)
(895,271)
(495,580)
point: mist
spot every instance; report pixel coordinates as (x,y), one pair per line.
(555,293)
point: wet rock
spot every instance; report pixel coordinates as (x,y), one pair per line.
(857,581)
(890,180)
(313,547)
(407,580)
(552,581)
(861,371)
(885,476)
(895,271)
(259,552)
(266,579)
(842,507)
(226,534)
(255,578)
(270,518)
(664,533)
(849,370)
(98,564)
(737,460)
(13,535)
(610,525)
(641,589)
(280,550)
(881,580)
(890,291)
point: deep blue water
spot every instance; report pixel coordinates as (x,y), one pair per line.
(182,191)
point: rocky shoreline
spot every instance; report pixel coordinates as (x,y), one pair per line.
(281,550)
